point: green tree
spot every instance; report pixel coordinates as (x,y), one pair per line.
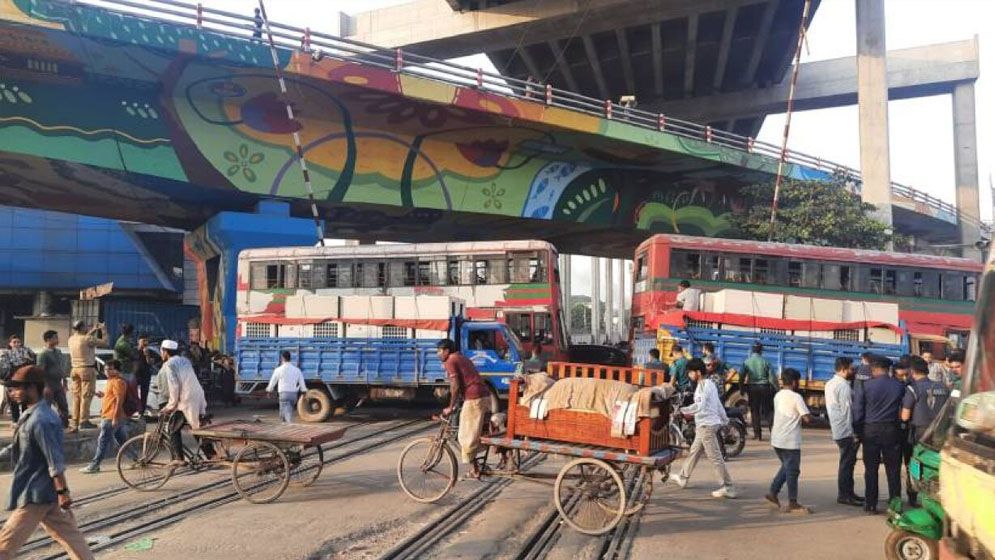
(812,213)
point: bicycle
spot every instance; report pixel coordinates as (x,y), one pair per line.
(433,459)
(145,461)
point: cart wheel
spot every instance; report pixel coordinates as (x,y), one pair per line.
(260,472)
(589,496)
(427,470)
(143,462)
(305,464)
(642,493)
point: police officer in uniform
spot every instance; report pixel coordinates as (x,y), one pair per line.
(876,406)
(922,402)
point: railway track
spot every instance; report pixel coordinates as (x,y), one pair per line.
(422,541)
(137,521)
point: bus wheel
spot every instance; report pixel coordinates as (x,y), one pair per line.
(315,406)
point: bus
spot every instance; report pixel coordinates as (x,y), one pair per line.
(513,282)
(934,295)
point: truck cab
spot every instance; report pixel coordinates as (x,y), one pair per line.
(494,350)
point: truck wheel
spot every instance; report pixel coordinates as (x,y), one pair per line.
(903,545)
(315,406)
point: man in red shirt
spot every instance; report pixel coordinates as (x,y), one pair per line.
(465,383)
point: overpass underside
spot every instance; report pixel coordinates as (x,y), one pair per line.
(113,116)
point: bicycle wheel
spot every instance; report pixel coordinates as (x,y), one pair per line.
(427,470)
(305,464)
(260,472)
(143,462)
(590,496)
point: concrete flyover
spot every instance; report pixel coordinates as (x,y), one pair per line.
(658,51)
(135,118)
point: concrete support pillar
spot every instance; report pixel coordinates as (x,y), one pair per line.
(966,168)
(595,299)
(621,332)
(609,301)
(872,101)
(565,293)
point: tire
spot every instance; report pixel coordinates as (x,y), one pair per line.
(315,406)
(590,496)
(143,462)
(903,545)
(260,472)
(740,401)
(734,436)
(427,460)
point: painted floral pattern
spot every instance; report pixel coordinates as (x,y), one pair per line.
(242,161)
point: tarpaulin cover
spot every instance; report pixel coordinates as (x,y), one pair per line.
(429,324)
(678,318)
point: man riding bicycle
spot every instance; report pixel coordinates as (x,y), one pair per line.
(186,399)
(466,384)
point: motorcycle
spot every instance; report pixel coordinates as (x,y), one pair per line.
(732,436)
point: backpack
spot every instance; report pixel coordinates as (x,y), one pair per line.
(132,400)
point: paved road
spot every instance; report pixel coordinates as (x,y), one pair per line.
(356,510)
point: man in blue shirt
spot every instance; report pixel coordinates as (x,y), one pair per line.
(654,362)
(38,491)
(876,405)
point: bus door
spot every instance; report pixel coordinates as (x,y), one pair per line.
(494,350)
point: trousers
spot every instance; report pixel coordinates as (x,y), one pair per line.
(60,524)
(791,460)
(848,459)
(882,444)
(83,383)
(471,422)
(760,398)
(288,400)
(108,435)
(706,441)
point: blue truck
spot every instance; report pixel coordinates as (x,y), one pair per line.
(341,372)
(814,357)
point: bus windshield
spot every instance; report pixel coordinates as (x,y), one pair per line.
(976,411)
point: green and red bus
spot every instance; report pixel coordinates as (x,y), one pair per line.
(935,295)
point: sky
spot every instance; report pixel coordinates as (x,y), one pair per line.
(921,130)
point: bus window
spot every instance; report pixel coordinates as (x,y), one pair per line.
(970,288)
(845,281)
(917,284)
(381,275)
(521,324)
(358,279)
(537,270)
(730,269)
(304,275)
(642,267)
(761,271)
(875,280)
(452,273)
(480,272)
(890,281)
(410,273)
(544,327)
(518,268)
(497,270)
(795,274)
(685,264)
(953,286)
(424,274)
(712,269)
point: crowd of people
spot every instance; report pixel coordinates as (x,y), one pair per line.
(880,405)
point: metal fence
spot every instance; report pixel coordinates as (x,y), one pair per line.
(398,60)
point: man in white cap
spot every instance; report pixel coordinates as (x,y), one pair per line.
(186,397)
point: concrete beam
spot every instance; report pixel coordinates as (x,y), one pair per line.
(623,53)
(913,72)
(728,25)
(690,50)
(592,57)
(656,40)
(432,28)
(966,168)
(749,74)
(559,52)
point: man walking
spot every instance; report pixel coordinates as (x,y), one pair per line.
(922,402)
(839,408)
(876,407)
(38,490)
(124,352)
(50,360)
(466,385)
(288,380)
(758,382)
(15,356)
(186,399)
(82,356)
(709,416)
(113,420)
(786,439)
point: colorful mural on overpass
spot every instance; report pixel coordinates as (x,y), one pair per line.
(115,115)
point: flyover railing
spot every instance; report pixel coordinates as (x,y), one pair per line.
(320,45)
